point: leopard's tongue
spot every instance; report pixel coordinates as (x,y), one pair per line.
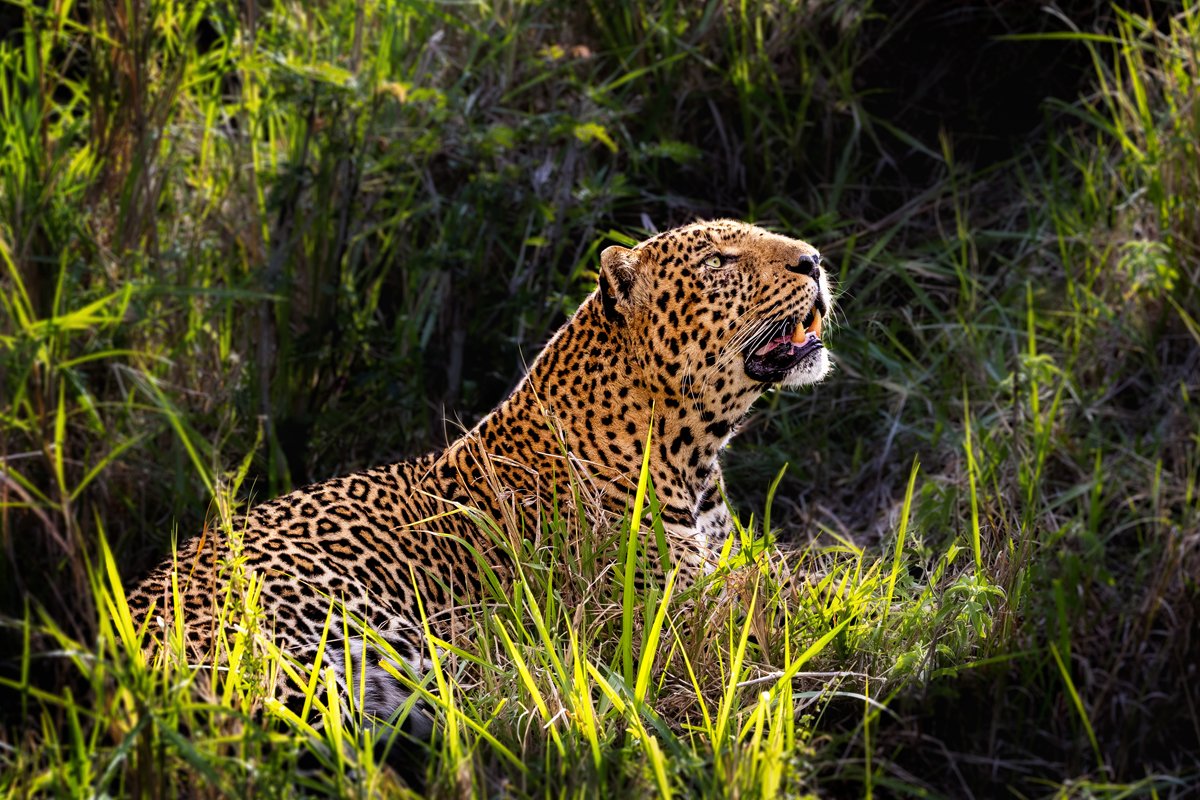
(771,345)
(799,336)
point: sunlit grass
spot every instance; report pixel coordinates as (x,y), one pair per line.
(709,709)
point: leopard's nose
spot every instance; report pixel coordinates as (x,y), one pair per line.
(807,265)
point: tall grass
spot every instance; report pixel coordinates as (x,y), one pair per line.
(242,247)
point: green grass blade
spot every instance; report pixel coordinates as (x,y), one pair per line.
(628,595)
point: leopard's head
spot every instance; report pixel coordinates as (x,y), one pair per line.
(720,307)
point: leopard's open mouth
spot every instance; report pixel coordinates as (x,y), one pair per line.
(787,345)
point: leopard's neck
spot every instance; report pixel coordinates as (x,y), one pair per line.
(586,396)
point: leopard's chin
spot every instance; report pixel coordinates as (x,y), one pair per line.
(812,369)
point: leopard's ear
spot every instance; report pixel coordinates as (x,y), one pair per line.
(618,274)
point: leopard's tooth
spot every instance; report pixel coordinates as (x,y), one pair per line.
(799,335)
(815,327)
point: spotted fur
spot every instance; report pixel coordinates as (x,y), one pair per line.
(684,331)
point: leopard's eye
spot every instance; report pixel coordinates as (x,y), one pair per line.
(712,262)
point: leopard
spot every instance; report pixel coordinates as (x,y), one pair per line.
(655,370)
